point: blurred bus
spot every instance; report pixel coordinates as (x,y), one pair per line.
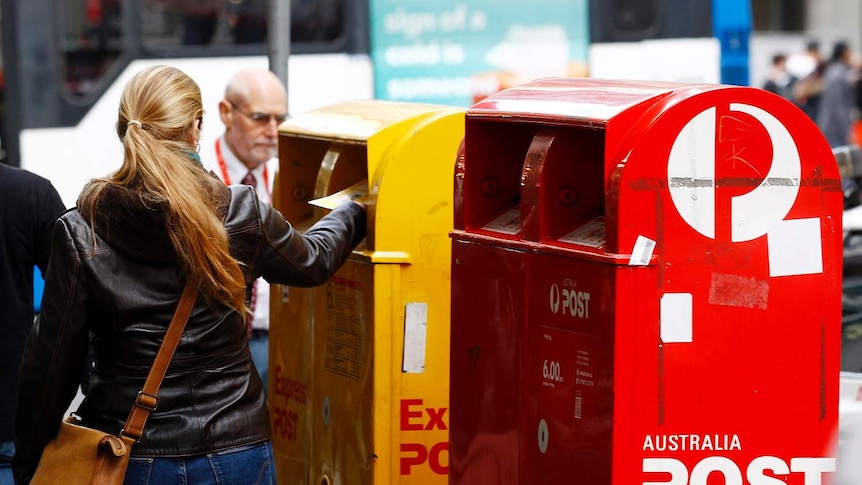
(65,62)
(690,41)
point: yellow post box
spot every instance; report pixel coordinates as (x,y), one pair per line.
(359,367)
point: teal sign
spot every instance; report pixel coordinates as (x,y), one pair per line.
(456,52)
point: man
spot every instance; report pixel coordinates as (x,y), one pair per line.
(29,205)
(838,99)
(254,104)
(248,22)
(780,81)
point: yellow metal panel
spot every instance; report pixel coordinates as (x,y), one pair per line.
(413,187)
(387,281)
(342,448)
(413,213)
(354,121)
(290,352)
(376,395)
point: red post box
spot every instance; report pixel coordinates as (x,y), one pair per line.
(645,288)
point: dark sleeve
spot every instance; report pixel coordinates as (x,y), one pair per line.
(290,257)
(50,208)
(53,356)
(857,88)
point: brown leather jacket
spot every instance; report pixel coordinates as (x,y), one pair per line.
(121,286)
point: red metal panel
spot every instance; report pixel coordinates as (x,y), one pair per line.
(570,399)
(488,359)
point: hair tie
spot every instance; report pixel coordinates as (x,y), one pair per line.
(135,122)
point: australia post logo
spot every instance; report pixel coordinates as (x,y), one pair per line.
(721,461)
(794,245)
(569,301)
(762,210)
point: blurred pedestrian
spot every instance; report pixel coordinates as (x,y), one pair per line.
(809,68)
(199,20)
(29,205)
(248,21)
(780,81)
(803,63)
(838,100)
(118,265)
(254,104)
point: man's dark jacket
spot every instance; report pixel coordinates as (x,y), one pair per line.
(29,205)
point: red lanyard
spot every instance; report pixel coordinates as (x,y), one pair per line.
(223,167)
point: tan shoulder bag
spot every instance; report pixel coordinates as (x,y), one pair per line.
(84,456)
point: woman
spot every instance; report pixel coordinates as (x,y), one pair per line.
(118,265)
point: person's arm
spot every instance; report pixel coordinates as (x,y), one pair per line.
(50,208)
(292,258)
(53,356)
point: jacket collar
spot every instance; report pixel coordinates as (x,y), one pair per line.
(132,224)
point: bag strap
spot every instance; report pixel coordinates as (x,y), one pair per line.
(147,399)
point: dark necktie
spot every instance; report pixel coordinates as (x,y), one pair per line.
(250,179)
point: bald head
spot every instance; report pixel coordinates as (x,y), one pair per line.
(253,83)
(255,102)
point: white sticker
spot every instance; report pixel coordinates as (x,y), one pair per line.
(642,252)
(508,223)
(415,337)
(676,317)
(795,248)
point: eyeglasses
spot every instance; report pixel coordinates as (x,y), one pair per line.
(260,118)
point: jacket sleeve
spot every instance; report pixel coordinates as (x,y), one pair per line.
(53,356)
(290,257)
(50,208)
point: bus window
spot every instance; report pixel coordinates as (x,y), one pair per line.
(92,40)
(204,22)
(316,20)
(635,16)
(219,22)
(637,20)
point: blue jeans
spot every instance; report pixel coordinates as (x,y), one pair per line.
(243,465)
(258,345)
(7,449)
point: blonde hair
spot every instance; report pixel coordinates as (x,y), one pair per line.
(158,111)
